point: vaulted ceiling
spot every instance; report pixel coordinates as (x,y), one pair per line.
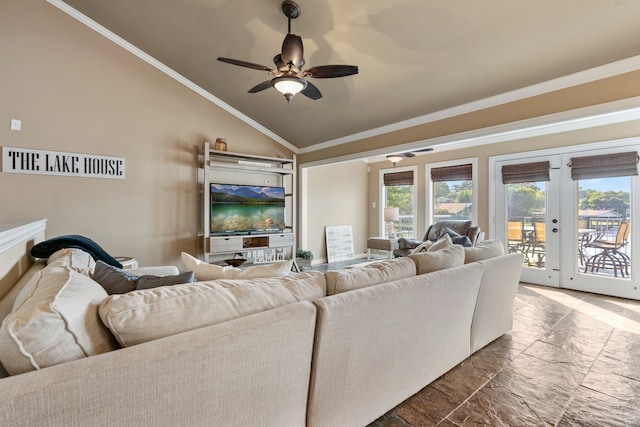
(415,57)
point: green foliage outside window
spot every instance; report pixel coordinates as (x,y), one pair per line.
(525,199)
(401,196)
(528,198)
(616,200)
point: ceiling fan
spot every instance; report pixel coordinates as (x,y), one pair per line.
(289,77)
(395,158)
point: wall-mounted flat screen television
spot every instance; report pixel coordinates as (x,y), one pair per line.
(246,209)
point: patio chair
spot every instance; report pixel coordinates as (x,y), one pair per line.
(538,241)
(516,238)
(610,256)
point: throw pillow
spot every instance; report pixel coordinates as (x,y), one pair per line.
(486,249)
(205,271)
(56,322)
(448,231)
(456,238)
(441,243)
(422,247)
(48,247)
(118,281)
(149,281)
(114,280)
(72,259)
(426,262)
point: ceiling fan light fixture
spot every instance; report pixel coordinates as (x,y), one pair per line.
(289,85)
(394,158)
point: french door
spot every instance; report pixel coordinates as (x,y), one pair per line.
(574,230)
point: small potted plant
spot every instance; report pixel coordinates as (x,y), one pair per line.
(303,259)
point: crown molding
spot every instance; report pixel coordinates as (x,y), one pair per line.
(581,118)
(576,79)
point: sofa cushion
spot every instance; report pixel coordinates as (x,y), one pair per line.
(486,249)
(429,261)
(56,321)
(115,280)
(456,238)
(348,279)
(205,271)
(146,315)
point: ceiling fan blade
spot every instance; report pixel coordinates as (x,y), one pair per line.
(331,71)
(292,50)
(413,153)
(245,64)
(260,87)
(311,92)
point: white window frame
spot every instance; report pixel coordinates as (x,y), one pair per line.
(382,196)
(429,186)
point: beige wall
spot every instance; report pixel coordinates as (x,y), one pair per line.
(335,195)
(76,91)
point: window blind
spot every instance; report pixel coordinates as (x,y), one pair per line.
(398,178)
(452,173)
(604,166)
(526,172)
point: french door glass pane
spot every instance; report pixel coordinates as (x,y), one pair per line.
(526,229)
(401,196)
(604,210)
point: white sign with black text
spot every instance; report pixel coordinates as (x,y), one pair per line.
(42,162)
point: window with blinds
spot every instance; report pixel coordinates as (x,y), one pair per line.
(399,192)
(452,188)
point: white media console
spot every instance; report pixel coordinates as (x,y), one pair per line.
(234,168)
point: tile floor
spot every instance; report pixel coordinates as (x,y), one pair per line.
(572,359)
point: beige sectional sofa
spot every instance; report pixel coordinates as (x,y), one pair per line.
(318,349)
